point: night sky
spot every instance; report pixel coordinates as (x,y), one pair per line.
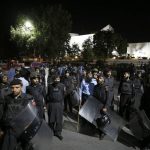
(131,20)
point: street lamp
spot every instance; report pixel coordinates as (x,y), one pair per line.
(27,28)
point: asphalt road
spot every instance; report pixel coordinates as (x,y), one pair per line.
(77,141)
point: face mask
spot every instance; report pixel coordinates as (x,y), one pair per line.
(56,82)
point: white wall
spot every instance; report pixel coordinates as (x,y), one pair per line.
(80,39)
(139,49)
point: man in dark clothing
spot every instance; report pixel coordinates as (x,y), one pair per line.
(100,91)
(12,105)
(126,91)
(139,90)
(109,83)
(38,92)
(4,86)
(55,104)
(70,86)
(100,94)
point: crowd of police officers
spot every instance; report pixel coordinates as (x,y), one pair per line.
(50,88)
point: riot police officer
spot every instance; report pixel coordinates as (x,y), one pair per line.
(55,105)
(12,105)
(109,83)
(127,92)
(100,94)
(38,92)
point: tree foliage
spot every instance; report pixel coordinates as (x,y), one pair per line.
(88,53)
(54,24)
(105,42)
(51,31)
(74,51)
(23,35)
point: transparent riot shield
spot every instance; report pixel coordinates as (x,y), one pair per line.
(42,139)
(140,125)
(29,128)
(24,119)
(90,110)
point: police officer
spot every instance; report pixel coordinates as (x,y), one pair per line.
(55,105)
(139,89)
(38,92)
(100,94)
(12,105)
(4,86)
(100,91)
(126,92)
(70,86)
(109,83)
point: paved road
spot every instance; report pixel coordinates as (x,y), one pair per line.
(87,139)
(76,141)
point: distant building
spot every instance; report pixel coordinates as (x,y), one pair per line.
(139,50)
(134,49)
(80,39)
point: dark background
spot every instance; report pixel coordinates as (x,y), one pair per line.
(130,19)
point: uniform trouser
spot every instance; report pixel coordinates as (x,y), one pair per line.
(110,98)
(56,127)
(10,141)
(124,105)
(67,102)
(40,111)
(55,114)
(138,96)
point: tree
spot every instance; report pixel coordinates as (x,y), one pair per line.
(74,51)
(88,53)
(120,43)
(105,42)
(54,25)
(50,35)
(24,33)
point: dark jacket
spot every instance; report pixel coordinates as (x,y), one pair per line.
(55,103)
(100,93)
(11,107)
(55,93)
(39,94)
(126,87)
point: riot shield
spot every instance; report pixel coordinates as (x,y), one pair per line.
(29,128)
(90,110)
(42,139)
(24,119)
(75,97)
(140,125)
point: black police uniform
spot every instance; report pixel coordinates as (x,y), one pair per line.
(70,86)
(11,107)
(39,94)
(109,82)
(100,94)
(127,92)
(55,102)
